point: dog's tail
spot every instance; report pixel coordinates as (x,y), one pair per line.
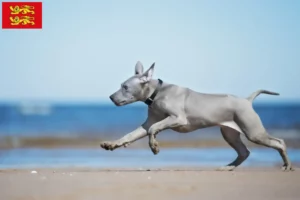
(258,92)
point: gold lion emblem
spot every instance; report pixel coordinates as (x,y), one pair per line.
(21,9)
(21,20)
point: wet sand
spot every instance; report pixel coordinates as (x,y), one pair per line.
(85,142)
(183,183)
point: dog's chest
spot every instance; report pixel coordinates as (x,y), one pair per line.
(193,125)
(185,128)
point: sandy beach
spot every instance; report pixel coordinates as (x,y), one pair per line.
(89,184)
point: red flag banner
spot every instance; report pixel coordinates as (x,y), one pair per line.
(21,15)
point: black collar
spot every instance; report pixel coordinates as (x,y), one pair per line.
(150,100)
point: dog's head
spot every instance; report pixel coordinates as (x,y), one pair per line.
(135,88)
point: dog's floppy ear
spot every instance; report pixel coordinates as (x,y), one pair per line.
(146,77)
(139,69)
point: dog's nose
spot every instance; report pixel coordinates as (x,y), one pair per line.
(111,97)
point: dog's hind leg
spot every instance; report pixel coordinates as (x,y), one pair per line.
(266,140)
(232,137)
(256,133)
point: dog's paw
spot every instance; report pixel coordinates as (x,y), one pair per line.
(226,168)
(108,145)
(287,168)
(154,146)
(155,150)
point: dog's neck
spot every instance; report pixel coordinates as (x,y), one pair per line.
(153,87)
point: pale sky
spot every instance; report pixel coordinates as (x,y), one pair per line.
(87,48)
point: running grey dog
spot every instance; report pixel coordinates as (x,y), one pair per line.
(184,110)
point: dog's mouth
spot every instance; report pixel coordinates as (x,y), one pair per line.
(117,102)
(121,103)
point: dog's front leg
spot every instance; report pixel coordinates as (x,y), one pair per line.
(138,133)
(169,122)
